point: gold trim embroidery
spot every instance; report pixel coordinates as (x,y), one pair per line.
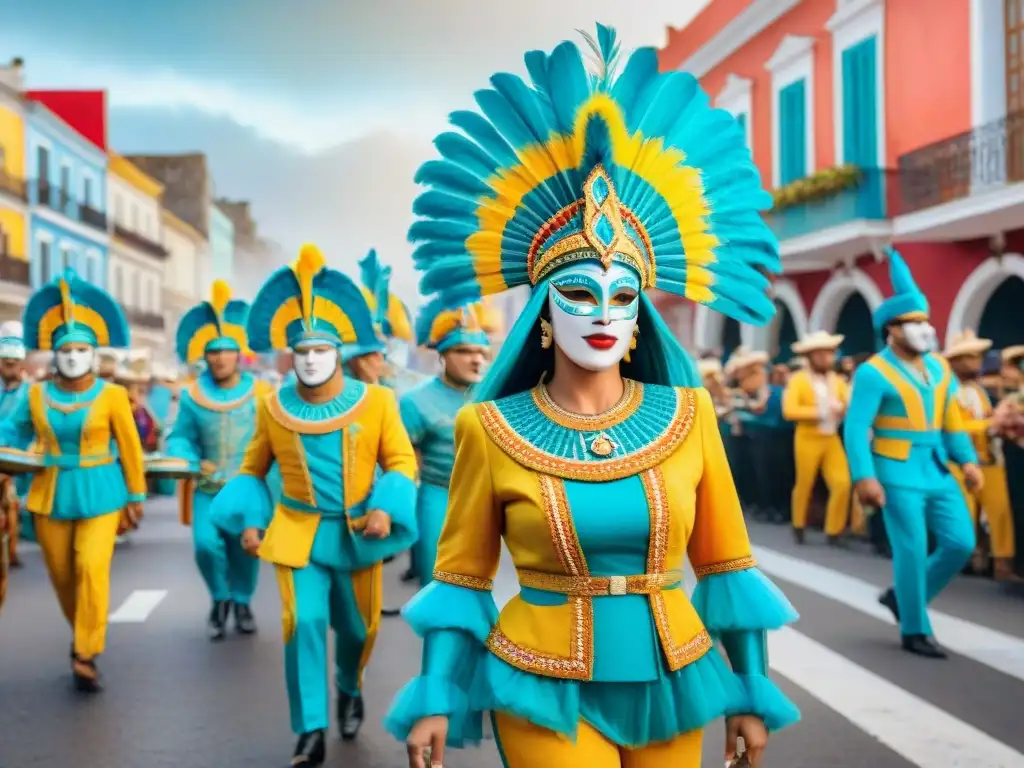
(459,580)
(202,401)
(598,586)
(304,427)
(532,457)
(728,566)
(580,664)
(632,397)
(678,656)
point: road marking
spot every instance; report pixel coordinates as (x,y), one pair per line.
(138,606)
(998,650)
(920,732)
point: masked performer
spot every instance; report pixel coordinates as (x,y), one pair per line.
(815,399)
(13,389)
(336,519)
(393,318)
(903,428)
(93,484)
(593,188)
(428,412)
(216,419)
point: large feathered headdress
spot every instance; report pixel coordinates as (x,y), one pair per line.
(633,167)
(218,323)
(390,312)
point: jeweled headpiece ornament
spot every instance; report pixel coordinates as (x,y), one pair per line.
(633,167)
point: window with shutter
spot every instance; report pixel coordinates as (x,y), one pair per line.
(793,132)
(860,104)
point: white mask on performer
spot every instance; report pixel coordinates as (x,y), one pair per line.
(920,336)
(74,362)
(315,365)
(594,313)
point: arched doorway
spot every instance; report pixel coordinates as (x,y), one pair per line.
(1001,317)
(785,333)
(854,322)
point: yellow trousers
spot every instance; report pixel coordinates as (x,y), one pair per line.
(525,745)
(78,554)
(814,453)
(994,499)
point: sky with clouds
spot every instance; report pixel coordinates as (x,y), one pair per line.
(318,111)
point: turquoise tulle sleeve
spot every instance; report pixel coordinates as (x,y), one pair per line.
(395,494)
(244,502)
(454,623)
(738,609)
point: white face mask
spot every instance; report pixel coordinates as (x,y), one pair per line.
(315,365)
(921,336)
(594,313)
(74,363)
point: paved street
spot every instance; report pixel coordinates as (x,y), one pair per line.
(175,700)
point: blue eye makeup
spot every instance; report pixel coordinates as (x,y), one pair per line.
(583,295)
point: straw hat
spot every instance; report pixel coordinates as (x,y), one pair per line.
(1012,353)
(709,367)
(743,357)
(966,343)
(819,340)
(134,371)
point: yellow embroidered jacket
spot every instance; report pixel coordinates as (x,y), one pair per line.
(800,400)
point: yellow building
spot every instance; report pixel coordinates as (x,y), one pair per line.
(13,220)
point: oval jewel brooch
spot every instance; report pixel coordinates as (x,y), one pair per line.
(602,445)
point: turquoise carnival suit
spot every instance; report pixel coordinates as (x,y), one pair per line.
(903,428)
(428,412)
(12,347)
(602,658)
(338,460)
(213,425)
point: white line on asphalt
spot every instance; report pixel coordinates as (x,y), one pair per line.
(138,606)
(912,727)
(998,650)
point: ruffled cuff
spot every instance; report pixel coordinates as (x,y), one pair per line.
(394,494)
(741,600)
(244,502)
(136,498)
(765,700)
(454,623)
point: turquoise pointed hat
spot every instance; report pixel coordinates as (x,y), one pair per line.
(907,301)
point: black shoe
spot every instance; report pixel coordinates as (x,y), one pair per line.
(888,599)
(217,623)
(311,749)
(836,541)
(350,715)
(922,645)
(245,622)
(390,612)
(798,535)
(409,574)
(87,677)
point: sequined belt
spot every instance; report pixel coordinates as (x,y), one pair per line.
(596,586)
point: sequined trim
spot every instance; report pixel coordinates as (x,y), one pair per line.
(580,663)
(738,564)
(472,582)
(305,427)
(598,470)
(678,656)
(598,586)
(200,399)
(632,397)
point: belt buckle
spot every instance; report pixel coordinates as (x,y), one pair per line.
(617,585)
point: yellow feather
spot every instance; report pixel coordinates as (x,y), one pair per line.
(67,306)
(306,267)
(220,295)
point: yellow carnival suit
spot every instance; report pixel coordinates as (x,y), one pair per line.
(818,448)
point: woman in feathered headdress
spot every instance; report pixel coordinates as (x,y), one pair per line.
(82,498)
(604,477)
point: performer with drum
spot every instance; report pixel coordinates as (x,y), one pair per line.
(90,483)
(13,388)
(216,419)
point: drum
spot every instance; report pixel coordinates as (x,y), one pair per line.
(17,462)
(162,467)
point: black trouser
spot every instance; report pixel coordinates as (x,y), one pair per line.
(772,461)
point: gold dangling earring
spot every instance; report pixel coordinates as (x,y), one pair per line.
(632,342)
(546,334)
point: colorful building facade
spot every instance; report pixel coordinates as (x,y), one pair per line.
(14,271)
(874,123)
(222,245)
(187,249)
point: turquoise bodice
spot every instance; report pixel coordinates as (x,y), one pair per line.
(428,413)
(215,424)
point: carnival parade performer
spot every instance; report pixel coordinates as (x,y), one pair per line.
(216,419)
(92,485)
(965,355)
(903,428)
(393,319)
(13,389)
(336,519)
(461,340)
(593,187)
(815,399)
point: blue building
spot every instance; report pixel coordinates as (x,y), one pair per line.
(67,199)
